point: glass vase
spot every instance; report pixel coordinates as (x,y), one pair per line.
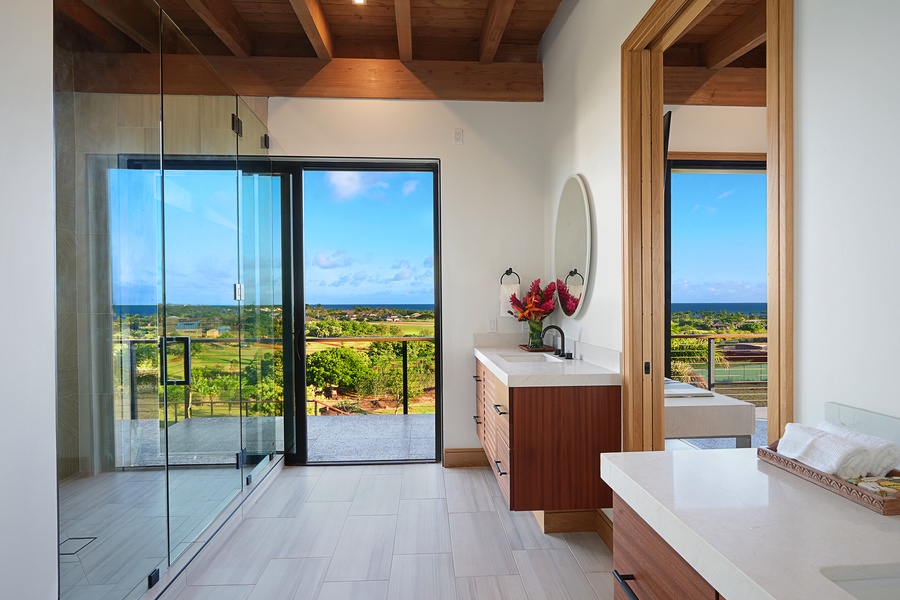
(535,339)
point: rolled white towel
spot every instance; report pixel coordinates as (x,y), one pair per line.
(824,451)
(885,454)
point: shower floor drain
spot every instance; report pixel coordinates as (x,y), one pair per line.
(73,545)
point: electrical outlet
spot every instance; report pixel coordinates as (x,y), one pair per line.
(458,136)
(492,325)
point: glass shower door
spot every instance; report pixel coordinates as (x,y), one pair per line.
(202,345)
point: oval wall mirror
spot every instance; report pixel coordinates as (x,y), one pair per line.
(572,247)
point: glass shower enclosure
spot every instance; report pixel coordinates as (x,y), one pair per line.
(169,375)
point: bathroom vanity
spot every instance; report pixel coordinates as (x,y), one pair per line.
(723,524)
(543,422)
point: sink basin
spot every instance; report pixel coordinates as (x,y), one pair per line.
(531,358)
(868,582)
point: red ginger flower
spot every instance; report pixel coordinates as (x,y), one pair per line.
(537,303)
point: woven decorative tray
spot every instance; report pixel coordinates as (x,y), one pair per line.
(542,349)
(872,501)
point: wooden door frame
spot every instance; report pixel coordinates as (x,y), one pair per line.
(643,176)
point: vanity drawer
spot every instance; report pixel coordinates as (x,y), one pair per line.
(502,468)
(656,571)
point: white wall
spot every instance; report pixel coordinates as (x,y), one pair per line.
(717,129)
(492,204)
(582,80)
(28,305)
(847,273)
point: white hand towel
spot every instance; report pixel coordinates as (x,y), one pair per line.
(885,454)
(506,290)
(824,451)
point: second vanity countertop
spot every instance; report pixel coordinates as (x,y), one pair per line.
(517,368)
(752,530)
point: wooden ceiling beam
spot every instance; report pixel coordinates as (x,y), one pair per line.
(315,24)
(496,19)
(728,86)
(223,18)
(313,78)
(742,36)
(111,38)
(134,18)
(403,16)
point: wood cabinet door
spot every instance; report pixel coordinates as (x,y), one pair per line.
(659,572)
(558,434)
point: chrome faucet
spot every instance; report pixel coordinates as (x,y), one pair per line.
(561,351)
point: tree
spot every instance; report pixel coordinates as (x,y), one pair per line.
(342,367)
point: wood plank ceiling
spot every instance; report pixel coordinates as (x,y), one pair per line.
(412,49)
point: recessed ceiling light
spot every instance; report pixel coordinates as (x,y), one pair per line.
(359,1)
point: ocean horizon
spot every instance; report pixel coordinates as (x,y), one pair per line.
(419,307)
(745,308)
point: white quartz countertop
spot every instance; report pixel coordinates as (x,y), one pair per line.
(749,528)
(518,368)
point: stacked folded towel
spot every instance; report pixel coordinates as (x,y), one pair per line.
(824,451)
(884,455)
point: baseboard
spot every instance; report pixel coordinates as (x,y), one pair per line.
(605,528)
(465,457)
(566,521)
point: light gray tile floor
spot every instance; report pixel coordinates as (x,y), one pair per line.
(318,548)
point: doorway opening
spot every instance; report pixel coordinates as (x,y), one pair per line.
(366,307)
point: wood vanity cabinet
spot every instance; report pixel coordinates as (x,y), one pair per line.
(544,443)
(658,572)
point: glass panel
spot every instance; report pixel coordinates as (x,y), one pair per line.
(369,281)
(112,502)
(262,389)
(718,328)
(201,315)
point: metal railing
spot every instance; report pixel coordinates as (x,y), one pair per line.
(404,356)
(742,357)
(191,402)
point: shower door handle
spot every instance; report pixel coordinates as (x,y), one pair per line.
(185,341)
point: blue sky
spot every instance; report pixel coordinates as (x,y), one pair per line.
(718,237)
(369,237)
(202,246)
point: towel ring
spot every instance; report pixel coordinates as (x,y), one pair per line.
(573,273)
(509,271)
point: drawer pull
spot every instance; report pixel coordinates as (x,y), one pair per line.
(623,583)
(500,471)
(477,422)
(476,377)
(497,408)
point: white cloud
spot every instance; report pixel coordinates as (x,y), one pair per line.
(410,186)
(334,260)
(352,279)
(724,195)
(346,184)
(429,261)
(402,274)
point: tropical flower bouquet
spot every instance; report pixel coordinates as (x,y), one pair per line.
(534,308)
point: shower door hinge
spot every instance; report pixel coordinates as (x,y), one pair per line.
(153,578)
(237,125)
(239,291)
(265,141)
